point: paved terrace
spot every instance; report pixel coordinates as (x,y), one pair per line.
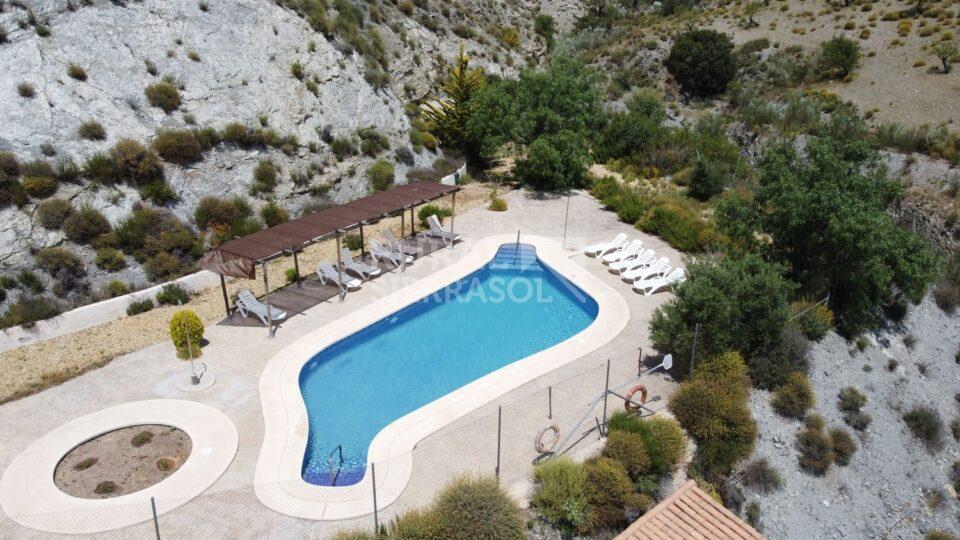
(237,355)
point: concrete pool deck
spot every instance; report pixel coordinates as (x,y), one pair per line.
(238,356)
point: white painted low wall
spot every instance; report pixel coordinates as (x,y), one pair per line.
(93,314)
(452,179)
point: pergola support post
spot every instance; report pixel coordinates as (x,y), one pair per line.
(413,223)
(226,299)
(296,267)
(340,292)
(266,300)
(453,216)
(362,244)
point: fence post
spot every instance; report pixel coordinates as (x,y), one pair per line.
(606,393)
(499,426)
(550,403)
(376,518)
(693,351)
(639,361)
(156,524)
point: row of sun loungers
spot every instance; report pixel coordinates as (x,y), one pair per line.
(636,265)
(355,272)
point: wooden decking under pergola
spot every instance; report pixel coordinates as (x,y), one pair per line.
(241,256)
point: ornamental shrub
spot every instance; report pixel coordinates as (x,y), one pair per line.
(428,210)
(629,449)
(415,524)
(816,320)
(702,62)
(476,507)
(680,226)
(139,306)
(52,213)
(794,397)
(610,495)
(173,294)
(561,493)
(727,370)
(164,95)
(85,224)
(663,439)
(186,332)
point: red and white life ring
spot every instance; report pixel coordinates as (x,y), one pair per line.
(628,403)
(538,443)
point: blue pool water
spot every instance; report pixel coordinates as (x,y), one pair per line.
(509,309)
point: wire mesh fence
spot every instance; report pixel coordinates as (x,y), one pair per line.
(497,439)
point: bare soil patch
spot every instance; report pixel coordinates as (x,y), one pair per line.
(122,461)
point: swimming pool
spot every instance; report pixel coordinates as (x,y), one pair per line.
(509,309)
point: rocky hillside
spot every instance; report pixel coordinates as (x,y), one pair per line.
(306,78)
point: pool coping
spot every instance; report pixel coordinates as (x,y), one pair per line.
(277,479)
(30,497)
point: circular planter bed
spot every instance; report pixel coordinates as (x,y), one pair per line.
(122,461)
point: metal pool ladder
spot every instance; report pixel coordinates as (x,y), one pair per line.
(334,475)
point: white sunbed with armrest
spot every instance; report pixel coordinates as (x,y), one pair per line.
(628,252)
(378,251)
(659,268)
(391,242)
(362,269)
(650,286)
(436,230)
(247,303)
(597,250)
(326,273)
(646,258)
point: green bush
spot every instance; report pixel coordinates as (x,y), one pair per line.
(678,225)
(137,307)
(372,142)
(85,224)
(428,210)
(816,320)
(9,165)
(353,242)
(380,174)
(178,146)
(610,495)
(37,167)
(28,310)
(163,95)
(843,446)
(707,179)
(554,162)
(342,148)
(938,534)
(39,187)
(186,332)
(477,508)
(560,495)
(110,259)
(52,213)
(851,400)
(770,369)
(264,177)
(76,71)
(794,397)
(216,212)
(115,288)
(837,58)
(59,261)
(925,424)
(816,451)
(762,477)
(728,370)
(273,214)
(92,131)
(663,439)
(135,163)
(173,294)
(415,524)
(605,188)
(702,62)
(628,449)
(814,421)
(30,281)
(631,205)
(497,204)
(163,266)
(100,168)
(741,303)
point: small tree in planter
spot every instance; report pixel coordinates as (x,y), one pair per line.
(186,331)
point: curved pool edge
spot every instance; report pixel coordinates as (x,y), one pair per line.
(277,479)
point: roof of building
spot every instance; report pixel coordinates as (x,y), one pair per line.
(689,513)
(239,256)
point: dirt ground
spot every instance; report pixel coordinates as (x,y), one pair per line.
(32,368)
(126,457)
(889,80)
(894,486)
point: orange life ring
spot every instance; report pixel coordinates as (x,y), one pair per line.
(628,403)
(538,442)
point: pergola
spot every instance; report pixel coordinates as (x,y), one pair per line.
(241,256)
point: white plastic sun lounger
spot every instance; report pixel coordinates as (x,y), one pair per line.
(641,260)
(650,286)
(378,251)
(659,268)
(247,304)
(628,252)
(597,250)
(326,273)
(437,231)
(362,269)
(391,242)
